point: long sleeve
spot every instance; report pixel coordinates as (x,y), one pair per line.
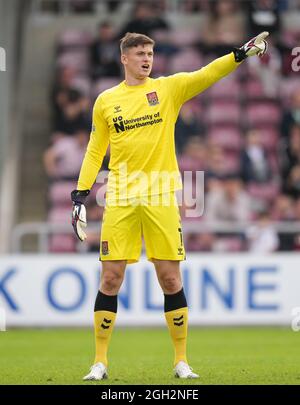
(185,86)
(96,149)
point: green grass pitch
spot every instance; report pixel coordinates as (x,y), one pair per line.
(145,356)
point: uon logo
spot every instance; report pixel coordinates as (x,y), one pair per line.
(2,60)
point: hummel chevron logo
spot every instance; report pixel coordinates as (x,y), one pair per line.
(177,321)
(103,326)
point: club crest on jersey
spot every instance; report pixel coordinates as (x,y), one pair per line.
(105,247)
(152,98)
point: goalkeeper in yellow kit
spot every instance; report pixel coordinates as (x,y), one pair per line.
(137,119)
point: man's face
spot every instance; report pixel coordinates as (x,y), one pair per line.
(138,61)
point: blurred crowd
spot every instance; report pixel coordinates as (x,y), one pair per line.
(243,132)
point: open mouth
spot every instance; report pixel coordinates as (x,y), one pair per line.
(145,66)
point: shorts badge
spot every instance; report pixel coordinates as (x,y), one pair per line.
(104,247)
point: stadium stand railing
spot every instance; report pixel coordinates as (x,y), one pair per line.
(44,230)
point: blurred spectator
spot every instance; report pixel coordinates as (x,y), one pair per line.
(254,162)
(291,116)
(112,5)
(283,210)
(224,27)
(217,165)
(50,6)
(200,242)
(213,183)
(146,19)
(262,237)
(82,6)
(194,156)
(163,43)
(293,182)
(63,83)
(187,125)
(290,156)
(263,15)
(230,203)
(74,112)
(192,6)
(296,245)
(105,53)
(63,159)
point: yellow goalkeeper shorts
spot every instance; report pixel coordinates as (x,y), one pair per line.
(156,218)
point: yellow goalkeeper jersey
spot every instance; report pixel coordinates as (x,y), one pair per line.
(138,123)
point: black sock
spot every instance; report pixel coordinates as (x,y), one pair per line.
(106,302)
(175,301)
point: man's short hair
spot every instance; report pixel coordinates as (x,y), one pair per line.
(132,39)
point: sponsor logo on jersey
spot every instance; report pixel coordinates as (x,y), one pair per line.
(122,124)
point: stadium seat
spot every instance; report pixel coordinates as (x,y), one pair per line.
(184,37)
(291,37)
(160,65)
(260,113)
(74,38)
(185,163)
(60,214)
(223,113)
(78,59)
(103,84)
(266,192)
(228,244)
(60,191)
(187,60)
(62,244)
(228,137)
(227,88)
(254,90)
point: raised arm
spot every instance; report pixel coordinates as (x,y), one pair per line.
(200,80)
(188,85)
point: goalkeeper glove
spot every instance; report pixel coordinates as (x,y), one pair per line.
(79,212)
(256,46)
